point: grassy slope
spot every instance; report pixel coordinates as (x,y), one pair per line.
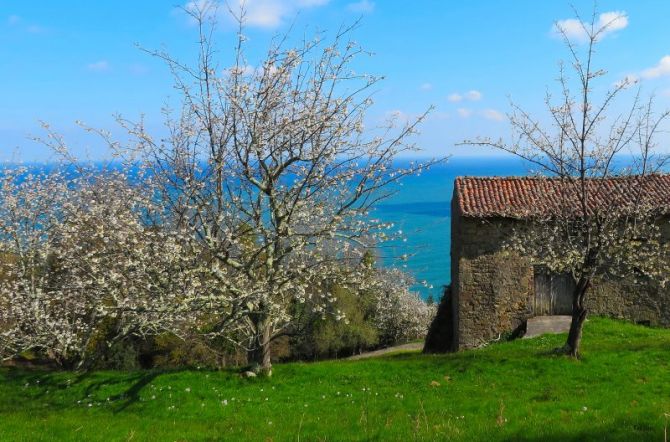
(620,390)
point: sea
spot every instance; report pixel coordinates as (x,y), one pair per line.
(421,210)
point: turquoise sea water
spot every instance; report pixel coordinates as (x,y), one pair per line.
(421,209)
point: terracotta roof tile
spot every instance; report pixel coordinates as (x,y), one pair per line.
(522,197)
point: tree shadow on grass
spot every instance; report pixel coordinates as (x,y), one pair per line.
(47,379)
(50,381)
(129,396)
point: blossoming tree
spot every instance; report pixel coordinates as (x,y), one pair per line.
(272,169)
(606,220)
(83,264)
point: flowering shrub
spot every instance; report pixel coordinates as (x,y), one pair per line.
(83,264)
(400,315)
(385,313)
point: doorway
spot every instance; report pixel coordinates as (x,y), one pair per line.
(553,292)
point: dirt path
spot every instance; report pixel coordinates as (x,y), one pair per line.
(412,346)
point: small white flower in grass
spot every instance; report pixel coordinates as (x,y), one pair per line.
(584,408)
(187,389)
(225,402)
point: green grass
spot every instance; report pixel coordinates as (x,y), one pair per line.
(620,390)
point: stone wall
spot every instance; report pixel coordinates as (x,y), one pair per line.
(493,289)
(643,303)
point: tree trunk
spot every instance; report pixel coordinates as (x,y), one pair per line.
(259,354)
(579,313)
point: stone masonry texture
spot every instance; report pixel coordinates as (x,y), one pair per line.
(493,289)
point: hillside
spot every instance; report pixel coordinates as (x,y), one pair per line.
(620,390)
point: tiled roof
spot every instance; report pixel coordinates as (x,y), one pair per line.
(523,197)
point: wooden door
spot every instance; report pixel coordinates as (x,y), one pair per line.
(553,293)
(562,287)
(542,293)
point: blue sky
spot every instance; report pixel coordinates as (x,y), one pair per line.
(74,60)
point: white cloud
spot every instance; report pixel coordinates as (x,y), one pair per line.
(661,69)
(17,22)
(246,70)
(463,112)
(614,20)
(576,30)
(267,14)
(473,95)
(310,3)
(572,28)
(98,66)
(455,97)
(426,87)
(627,81)
(361,7)
(492,114)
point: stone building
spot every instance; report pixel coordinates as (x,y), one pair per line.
(493,293)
